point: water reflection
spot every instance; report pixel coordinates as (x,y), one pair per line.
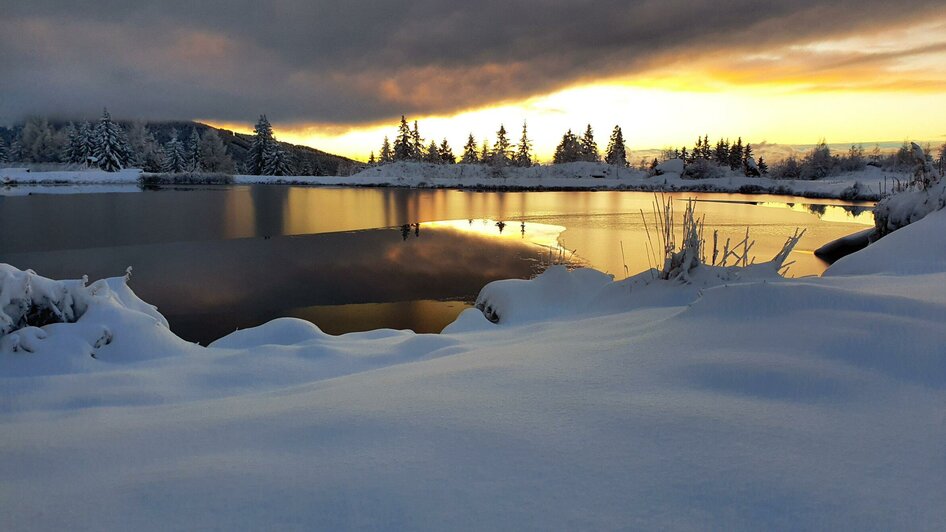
(208,289)
(211,255)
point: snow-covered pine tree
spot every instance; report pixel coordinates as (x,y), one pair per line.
(151,156)
(735,155)
(446,153)
(617,150)
(469,151)
(568,150)
(213,153)
(3,151)
(484,151)
(87,137)
(175,157)
(277,162)
(502,149)
(403,143)
(588,148)
(262,147)
(417,144)
(111,146)
(194,157)
(386,154)
(523,157)
(15,151)
(432,153)
(38,142)
(71,152)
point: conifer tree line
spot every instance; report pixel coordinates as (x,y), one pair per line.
(409,145)
(107,145)
(705,160)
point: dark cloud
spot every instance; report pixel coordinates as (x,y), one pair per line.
(360,61)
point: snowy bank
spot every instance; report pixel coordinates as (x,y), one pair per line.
(863,185)
(738,400)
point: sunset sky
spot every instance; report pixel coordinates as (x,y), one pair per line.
(338,75)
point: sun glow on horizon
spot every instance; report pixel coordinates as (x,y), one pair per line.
(884,87)
(652,118)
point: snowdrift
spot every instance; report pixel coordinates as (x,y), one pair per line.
(737,400)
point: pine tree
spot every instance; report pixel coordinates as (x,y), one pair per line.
(262,147)
(417,144)
(432,154)
(588,148)
(446,153)
(72,151)
(194,157)
(175,158)
(15,151)
(569,150)
(502,149)
(386,154)
(763,168)
(371,159)
(484,152)
(277,162)
(617,152)
(111,146)
(403,147)
(469,151)
(749,165)
(735,155)
(38,141)
(3,151)
(942,160)
(523,157)
(213,153)
(721,156)
(87,135)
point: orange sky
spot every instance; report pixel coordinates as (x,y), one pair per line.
(856,88)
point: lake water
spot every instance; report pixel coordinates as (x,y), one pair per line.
(214,259)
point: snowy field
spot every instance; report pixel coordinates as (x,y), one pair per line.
(866,184)
(739,401)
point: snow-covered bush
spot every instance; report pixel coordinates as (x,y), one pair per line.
(26,299)
(703,169)
(908,206)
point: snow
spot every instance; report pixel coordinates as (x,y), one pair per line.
(671,166)
(23,176)
(739,400)
(864,184)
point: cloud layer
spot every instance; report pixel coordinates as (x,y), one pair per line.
(358,61)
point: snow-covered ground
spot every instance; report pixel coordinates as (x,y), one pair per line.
(739,401)
(867,184)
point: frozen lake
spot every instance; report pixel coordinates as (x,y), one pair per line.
(214,259)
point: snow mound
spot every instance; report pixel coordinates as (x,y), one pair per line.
(917,248)
(49,326)
(671,166)
(554,293)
